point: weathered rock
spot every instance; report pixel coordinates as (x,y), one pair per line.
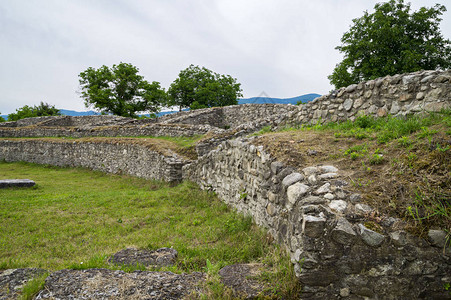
(347,105)
(292,179)
(7,183)
(370,237)
(354,198)
(399,238)
(325,188)
(312,200)
(12,281)
(110,284)
(310,171)
(240,278)
(328,176)
(438,238)
(363,209)
(329,196)
(328,169)
(338,205)
(295,191)
(159,257)
(313,226)
(343,232)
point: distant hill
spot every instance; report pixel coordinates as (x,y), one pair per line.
(253,100)
(74,113)
(266,99)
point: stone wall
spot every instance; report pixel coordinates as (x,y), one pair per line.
(156,129)
(108,156)
(230,116)
(404,94)
(323,226)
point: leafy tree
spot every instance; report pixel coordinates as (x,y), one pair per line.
(1,119)
(200,88)
(120,90)
(43,109)
(392,41)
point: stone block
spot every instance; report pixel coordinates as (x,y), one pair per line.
(370,237)
(328,176)
(363,209)
(399,238)
(292,179)
(351,88)
(328,169)
(295,192)
(343,232)
(437,238)
(347,105)
(270,209)
(313,226)
(338,205)
(7,183)
(310,171)
(276,167)
(325,188)
(405,97)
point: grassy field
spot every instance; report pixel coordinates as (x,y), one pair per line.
(75,218)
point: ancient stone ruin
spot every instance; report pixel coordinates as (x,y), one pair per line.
(309,210)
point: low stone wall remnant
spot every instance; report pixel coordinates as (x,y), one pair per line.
(109,157)
(397,95)
(324,227)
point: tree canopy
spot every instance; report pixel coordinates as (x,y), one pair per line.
(43,109)
(120,90)
(198,87)
(392,40)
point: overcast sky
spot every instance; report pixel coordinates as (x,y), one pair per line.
(284,48)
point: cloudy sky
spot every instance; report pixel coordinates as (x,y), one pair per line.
(284,48)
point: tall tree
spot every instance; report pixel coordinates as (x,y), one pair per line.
(43,109)
(200,88)
(120,90)
(392,40)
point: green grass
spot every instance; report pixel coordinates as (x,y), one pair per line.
(74,216)
(182,141)
(387,128)
(32,287)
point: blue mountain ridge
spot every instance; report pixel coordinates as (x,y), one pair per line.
(252,100)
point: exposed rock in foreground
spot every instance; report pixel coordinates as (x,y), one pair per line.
(239,278)
(159,257)
(6,183)
(110,284)
(12,281)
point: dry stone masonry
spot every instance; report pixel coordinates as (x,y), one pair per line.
(325,228)
(395,95)
(110,157)
(336,250)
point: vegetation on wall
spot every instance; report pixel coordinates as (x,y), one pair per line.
(41,110)
(392,40)
(198,87)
